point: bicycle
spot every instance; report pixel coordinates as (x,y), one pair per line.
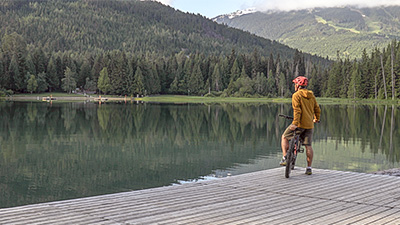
(294,147)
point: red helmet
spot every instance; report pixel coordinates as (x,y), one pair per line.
(300,80)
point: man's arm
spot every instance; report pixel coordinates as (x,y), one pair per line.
(317,111)
(296,110)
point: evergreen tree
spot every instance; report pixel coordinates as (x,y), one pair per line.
(333,85)
(84,72)
(97,67)
(41,82)
(30,66)
(345,77)
(51,75)
(32,83)
(243,74)
(60,70)
(39,60)
(138,85)
(18,79)
(3,74)
(174,88)
(355,88)
(90,85)
(195,83)
(216,78)
(366,76)
(282,84)
(68,82)
(104,84)
(235,71)
(314,83)
(130,78)
(155,87)
(261,84)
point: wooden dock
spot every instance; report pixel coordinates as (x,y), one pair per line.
(265,197)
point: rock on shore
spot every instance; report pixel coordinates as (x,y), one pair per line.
(391,172)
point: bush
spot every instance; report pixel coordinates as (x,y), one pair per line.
(7,93)
(214,94)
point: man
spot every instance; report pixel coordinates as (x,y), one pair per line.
(306,112)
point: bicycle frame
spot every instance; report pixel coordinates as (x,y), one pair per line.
(294,147)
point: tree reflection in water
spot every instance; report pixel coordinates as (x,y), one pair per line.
(69,150)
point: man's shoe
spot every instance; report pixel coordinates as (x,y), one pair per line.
(283,161)
(308,171)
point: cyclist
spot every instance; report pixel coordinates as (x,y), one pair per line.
(306,112)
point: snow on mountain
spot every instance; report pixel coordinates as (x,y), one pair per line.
(236,14)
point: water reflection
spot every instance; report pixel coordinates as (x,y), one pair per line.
(69,150)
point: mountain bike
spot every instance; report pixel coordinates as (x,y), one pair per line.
(294,147)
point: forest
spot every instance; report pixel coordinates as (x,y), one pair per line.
(190,60)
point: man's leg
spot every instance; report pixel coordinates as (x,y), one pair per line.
(310,155)
(285,145)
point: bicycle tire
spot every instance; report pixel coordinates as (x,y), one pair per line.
(297,145)
(289,158)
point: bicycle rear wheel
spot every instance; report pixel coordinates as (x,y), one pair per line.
(289,158)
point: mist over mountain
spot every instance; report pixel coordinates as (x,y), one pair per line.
(323,31)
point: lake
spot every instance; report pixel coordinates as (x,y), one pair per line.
(61,151)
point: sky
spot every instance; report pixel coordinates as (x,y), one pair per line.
(213,8)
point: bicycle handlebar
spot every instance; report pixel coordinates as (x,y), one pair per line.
(286,117)
(291,118)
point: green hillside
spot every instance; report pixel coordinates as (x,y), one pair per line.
(325,31)
(143,47)
(130,47)
(139,26)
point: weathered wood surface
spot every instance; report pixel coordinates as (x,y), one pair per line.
(265,197)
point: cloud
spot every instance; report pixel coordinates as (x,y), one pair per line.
(286,5)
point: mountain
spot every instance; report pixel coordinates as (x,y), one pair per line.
(146,26)
(323,31)
(132,47)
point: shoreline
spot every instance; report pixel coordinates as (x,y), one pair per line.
(189,99)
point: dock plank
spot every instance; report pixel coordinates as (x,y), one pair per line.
(263,197)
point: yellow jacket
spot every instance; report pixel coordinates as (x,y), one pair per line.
(305,109)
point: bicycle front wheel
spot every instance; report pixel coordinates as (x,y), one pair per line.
(289,158)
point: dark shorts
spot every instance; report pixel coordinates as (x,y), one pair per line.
(305,134)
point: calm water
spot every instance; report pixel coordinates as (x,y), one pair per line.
(68,150)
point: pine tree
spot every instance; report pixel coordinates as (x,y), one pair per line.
(104,84)
(138,83)
(68,82)
(195,83)
(18,79)
(32,83)
(42,83)
(282,84)
(235,71)
(243,74)
(3,74)
(90,85)
(174,88)
(355,88)
(118,72)
(155,85)
(261,84)
(84,72)
(333,85)
(129,80)
(216,78)
(39,60)
(51,76)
